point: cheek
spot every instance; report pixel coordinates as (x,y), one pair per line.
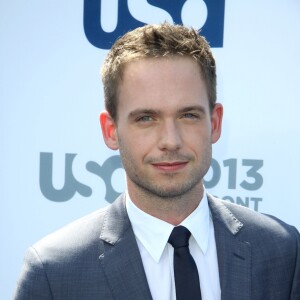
(198,142)
(197,136)
(133,146)
(144,139)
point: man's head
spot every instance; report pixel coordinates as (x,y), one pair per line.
(156,41)
(161,111)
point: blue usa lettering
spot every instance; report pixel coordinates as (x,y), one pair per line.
(106,20)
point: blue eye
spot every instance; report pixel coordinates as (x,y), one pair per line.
(145,119)
(190,116)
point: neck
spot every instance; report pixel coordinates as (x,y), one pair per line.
(171,210)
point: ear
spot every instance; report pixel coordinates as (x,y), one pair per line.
(216,122)
(109,130)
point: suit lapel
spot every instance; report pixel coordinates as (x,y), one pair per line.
(123,267)
(120,256)
(234,255)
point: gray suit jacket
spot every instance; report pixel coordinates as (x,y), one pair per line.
(97,257)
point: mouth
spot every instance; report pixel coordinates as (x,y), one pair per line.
(170,166)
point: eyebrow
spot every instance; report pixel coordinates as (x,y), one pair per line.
(138,112)
(198,108)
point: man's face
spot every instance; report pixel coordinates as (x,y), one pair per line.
(164,129)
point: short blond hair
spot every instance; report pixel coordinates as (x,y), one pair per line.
(156,41)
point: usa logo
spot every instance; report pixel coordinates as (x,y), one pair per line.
(106,20)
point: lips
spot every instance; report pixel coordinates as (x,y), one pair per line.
(170,166)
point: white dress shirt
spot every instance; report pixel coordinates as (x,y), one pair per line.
(152,236)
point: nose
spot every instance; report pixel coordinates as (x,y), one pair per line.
(169,136)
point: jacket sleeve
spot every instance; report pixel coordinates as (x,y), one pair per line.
(295,293)
(33,283)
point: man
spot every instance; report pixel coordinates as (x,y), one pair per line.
(161,113)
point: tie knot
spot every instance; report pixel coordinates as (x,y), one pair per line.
(179,237)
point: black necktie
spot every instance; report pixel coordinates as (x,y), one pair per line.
(185,270)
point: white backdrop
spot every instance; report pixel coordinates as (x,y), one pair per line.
(54,166)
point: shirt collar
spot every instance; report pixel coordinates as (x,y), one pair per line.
(154,233)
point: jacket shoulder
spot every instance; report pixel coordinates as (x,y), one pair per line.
(252,222)
(66,264)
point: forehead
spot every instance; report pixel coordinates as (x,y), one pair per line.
(159,65)
(161,73)
(161,83)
